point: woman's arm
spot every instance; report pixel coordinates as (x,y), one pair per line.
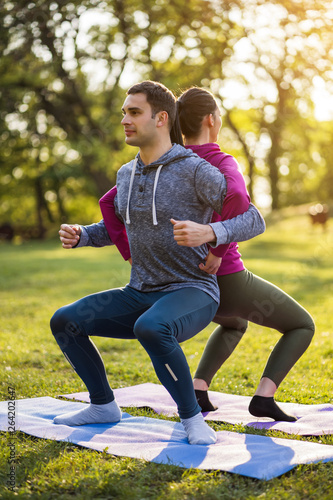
(115,227)
(237,200)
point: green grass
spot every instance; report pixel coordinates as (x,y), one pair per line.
(37,278)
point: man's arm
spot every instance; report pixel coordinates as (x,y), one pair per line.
(191,234)
(94,235)
(241,228)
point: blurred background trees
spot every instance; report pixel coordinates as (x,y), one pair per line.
(65,67)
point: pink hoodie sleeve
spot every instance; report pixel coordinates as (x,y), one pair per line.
(113,224)
(236,202)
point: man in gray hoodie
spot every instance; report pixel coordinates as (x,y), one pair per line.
(165,197)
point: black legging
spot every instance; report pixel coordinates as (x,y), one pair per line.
(246,297)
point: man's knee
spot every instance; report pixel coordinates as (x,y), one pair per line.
(63,322)
(57,321)
(63,327)
(152,334)
(145,331)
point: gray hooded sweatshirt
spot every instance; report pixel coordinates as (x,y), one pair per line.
(182,186)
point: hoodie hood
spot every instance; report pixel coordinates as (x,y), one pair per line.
(175,153)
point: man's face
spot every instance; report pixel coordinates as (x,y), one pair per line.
(140,128)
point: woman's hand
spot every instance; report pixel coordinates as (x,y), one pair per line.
(212,264)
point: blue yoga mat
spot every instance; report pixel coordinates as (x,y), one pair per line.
(165,442)
(313,420)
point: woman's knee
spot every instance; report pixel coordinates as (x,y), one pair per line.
(307,324)
(303,332)
(311,327)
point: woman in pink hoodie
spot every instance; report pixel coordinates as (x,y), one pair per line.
(244,296)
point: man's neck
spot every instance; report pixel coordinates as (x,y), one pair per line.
(149,154)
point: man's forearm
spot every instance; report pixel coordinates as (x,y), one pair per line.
(240,228)
(94,235)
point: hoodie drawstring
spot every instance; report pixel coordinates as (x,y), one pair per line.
(135,161)
(128,220)
(154,194)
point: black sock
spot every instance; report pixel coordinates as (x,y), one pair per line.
(203,400)
(267,407)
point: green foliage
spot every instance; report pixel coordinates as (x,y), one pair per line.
(37,278)
(65,66)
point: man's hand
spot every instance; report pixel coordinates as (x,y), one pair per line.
(191,234)
(69,235)
(212,264)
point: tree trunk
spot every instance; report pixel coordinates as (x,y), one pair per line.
(247,153)
(40,229)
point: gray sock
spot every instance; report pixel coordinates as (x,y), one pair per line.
(198,431)
(93,414)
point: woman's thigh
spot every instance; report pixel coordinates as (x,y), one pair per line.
(259,301)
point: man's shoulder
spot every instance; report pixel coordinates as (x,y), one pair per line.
(126,167)
(189,158)
(128,164)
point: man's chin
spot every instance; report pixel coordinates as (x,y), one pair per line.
(130,141)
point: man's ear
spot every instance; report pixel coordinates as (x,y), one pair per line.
(162,118)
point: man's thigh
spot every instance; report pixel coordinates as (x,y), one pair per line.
(183,313)
(111,313)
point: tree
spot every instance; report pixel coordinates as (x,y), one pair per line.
(60,122)
(65,66)
(287,45)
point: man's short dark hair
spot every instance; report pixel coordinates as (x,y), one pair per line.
(158,96)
